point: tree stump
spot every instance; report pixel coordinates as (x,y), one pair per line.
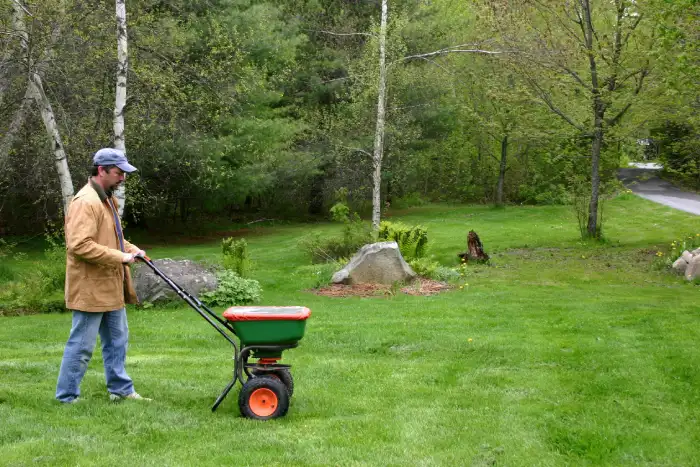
(475,249)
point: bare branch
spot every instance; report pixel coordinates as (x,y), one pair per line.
(575,76)
(616,119)
(632,28)
(360,150)
(548,100)
(10,33)
(19,4)
(447,50)
(343,33)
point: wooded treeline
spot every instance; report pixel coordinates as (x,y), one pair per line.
(244,108)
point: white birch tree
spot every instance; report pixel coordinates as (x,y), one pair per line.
(378,153)
(120,95)
(35,89)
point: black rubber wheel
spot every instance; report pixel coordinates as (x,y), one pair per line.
(282,374)
(263,398)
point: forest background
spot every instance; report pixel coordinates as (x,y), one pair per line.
(243,110)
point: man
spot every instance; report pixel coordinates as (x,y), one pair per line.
(98,283)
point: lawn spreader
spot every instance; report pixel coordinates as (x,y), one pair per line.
(264,333)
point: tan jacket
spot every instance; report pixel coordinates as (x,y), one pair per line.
(96,279)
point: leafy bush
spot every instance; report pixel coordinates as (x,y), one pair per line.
(430,268)
(232,290)
(412,241)
(40,288)
(446,274)
(425,267)
(236,256)
(340,212)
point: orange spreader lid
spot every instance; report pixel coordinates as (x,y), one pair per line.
(267,313)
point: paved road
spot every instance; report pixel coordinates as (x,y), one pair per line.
(646,184)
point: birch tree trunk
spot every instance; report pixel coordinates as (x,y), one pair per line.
(379,131)
(60,159)
(120,95)
(36,90)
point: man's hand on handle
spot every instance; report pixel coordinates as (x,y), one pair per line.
(129,258)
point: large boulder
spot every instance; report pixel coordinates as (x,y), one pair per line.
(191,276)
(687,256)
(693,270)
(376,263)
(680,265)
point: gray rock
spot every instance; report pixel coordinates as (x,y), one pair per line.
(687,256)
(376,263)
(191,276)
(693,269)
(680,265)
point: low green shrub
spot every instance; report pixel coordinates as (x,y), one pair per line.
(425,267)
(412,240)
(430,268)
(446,274)
(232,290)
(39,288)
(236,256)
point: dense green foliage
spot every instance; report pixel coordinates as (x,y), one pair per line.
(258,109)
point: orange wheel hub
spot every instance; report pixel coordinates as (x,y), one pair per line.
(263,402)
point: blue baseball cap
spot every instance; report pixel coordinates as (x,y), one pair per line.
(111,156)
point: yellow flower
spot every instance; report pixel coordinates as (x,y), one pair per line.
(470,339)
(461,286)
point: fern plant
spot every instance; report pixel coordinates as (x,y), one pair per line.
(412,240)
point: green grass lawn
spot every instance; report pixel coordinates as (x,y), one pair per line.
(559,353)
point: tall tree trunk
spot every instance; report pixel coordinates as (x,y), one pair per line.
(502,170)
(598,108)
(379,131)
(51,126)
(36,90)
(120,95)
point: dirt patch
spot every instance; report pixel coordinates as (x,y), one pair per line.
(422,287)
(426,287)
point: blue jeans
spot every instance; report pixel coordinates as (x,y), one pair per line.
(114,334)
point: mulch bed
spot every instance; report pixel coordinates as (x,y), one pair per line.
(422,287)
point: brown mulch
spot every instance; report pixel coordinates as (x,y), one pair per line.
(423,287)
